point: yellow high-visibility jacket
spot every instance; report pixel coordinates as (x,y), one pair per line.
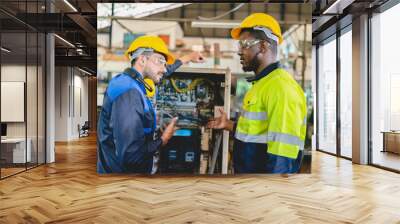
(274,113)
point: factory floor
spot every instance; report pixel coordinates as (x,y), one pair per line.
(70,191)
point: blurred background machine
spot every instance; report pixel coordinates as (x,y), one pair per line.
(194,96)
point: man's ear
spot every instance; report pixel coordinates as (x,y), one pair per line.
(141,60)
(264,46)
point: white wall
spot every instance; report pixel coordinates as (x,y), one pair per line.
(102,42)
(61,103)
(79,117)
(70,83)
(14,73)
(225,45)
(33,126)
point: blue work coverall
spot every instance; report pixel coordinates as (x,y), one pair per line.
(127,122)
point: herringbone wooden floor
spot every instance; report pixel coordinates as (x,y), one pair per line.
(70,191)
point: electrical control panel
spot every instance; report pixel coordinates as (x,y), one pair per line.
(192,95)
(191,100)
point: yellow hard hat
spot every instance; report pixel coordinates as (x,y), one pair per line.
(258,20)
(153,42)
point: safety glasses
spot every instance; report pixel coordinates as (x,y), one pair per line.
(160,60)
(246,44)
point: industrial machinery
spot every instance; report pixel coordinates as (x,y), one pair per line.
(193,95)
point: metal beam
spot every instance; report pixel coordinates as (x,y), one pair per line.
(330,27)
(91,6)
(16,18)
(182,12)
(49,22)
(83,61)
(282,12)
(338,6)
(84,24)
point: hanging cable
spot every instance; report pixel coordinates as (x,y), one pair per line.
(191,86)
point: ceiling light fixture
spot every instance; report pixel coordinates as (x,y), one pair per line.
(65,41)
(70,5)
(211,24)
(5,49)
(84,71)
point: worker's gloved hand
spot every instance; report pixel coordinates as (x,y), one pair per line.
(195,57)
(221,122)
(169,131)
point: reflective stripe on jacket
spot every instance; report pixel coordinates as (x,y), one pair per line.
(274,114)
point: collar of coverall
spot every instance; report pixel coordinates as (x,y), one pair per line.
(133,73)
(264,72)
